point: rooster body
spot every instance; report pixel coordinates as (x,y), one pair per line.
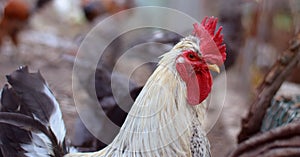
(167,117)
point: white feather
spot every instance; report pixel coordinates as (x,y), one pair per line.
(0,96)
(56,122)
(39,147)
(72,150)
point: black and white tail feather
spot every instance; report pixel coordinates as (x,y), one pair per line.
(31,121)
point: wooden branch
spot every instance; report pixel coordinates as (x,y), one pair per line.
(283,140)
(268,88)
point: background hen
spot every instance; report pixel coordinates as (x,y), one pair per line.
(15,17)
(82,138)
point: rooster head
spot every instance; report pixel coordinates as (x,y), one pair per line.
(197,55)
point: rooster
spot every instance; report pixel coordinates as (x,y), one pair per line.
(167,117)
(16,16)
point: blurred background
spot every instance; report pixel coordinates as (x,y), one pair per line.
(46,35)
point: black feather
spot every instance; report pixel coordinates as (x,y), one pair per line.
(29,88)
(11,139)
(9,100)
(27,108)
(83,139)
(26,123)
(23,122)
(11,136)
(113,110)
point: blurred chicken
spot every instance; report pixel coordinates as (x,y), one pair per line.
(15,17)
(31,121)
(82,138)
(95,8)
(106,94)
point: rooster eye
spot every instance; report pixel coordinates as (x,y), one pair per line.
(191,56)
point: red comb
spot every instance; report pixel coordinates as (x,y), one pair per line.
(211,44)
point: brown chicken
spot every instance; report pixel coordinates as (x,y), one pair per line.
(15,17)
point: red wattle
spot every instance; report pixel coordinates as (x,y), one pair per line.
(193,91)
(198,84)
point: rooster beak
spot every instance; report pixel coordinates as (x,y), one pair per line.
(214,67)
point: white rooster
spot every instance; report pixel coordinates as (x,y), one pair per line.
(167,117)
